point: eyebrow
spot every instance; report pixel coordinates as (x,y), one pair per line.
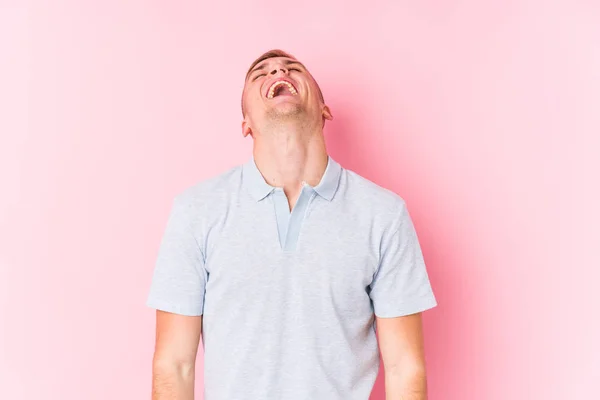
(288,62)
(263,65)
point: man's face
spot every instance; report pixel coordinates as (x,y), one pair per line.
(279,89)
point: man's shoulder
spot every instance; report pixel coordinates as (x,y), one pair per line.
(211,191)
(374,196)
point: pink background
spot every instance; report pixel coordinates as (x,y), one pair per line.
(484,116)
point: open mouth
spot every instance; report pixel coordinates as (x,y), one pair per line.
(281,88)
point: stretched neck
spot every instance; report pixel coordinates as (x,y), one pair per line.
(288,154)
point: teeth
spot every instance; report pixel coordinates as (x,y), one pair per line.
(276,84)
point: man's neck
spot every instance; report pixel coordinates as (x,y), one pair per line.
(287,156)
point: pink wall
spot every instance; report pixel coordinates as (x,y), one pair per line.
(484,116)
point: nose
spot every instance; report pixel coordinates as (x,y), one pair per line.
(276,70)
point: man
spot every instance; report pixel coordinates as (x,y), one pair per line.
(286,265)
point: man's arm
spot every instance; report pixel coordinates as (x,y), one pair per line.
(401,344)
(173,365)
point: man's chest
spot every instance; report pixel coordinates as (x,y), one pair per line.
(329,269)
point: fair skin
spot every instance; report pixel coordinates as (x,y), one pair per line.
(401,344)
(289,148)
(173,364)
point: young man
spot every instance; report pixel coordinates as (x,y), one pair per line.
(286,265)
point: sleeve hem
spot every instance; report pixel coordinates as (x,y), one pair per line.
(175,309)
(406,308)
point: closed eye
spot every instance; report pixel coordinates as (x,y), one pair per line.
(258,76)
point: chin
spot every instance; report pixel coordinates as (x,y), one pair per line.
(285,110)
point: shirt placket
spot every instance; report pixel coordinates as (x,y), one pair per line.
(290,223)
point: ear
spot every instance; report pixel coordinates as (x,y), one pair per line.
(246,130)
(327,113)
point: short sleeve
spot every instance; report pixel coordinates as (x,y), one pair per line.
(179,278)
(401,284)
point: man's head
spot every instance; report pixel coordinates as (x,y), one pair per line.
(279,88)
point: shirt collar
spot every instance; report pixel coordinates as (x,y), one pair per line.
(253,180)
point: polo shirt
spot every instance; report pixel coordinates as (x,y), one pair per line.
(289,299)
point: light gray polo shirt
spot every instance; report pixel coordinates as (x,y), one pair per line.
(288,299)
